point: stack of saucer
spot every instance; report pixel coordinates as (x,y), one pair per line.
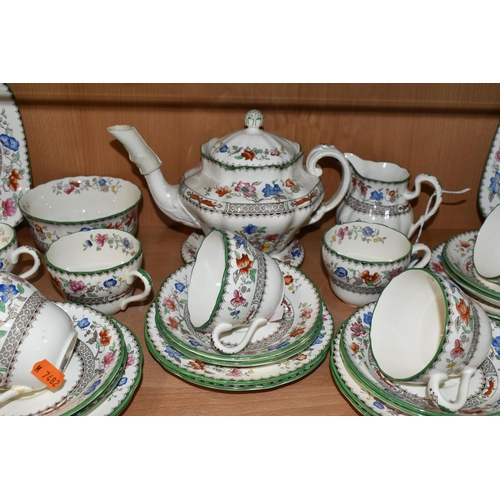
(280,352)
(101,376)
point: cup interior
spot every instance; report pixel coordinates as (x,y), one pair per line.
(207,279)
(367,242)
(93,251)
(409,324)
(485,255)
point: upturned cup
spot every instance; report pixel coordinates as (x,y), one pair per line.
(486,257)
(10,251)
(97,268)
(32,330)
(424,330)
(232,285)
(361,258)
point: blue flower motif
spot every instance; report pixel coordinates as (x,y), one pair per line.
(319,339)
(378,405)
(224,149)
(376,195)
(367,317)
(240,240)
(296,253)
(172,352)
(180,286)
(367,231)
(85,229)
(127,243)
(83,323)
(9,142)
(1,265)
(496,345)
(88,243)
(341,272)
(194,343)
(123,381)
(279,346)
(250,229)
(93,387)
(495,183)
(6,291)
(235,313)
(102,182)
(110,283)
(272,190)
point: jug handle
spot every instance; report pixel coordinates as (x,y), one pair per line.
(438,193)
(313,168)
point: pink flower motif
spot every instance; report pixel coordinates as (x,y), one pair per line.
(238,300)
(77,286)
(9,207)
(101,239)
(130,360)
(69,189)
(458,351)
(437,267)
(109,358)
(362,187)
(271,237)
(357,329)
(235,372)
(246,188)
(497,155)
(342,232)
(394,273)
(169,303)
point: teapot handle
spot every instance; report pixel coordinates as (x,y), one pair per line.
(438,193)
(313,168)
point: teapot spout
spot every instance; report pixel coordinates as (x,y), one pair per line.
(165,195)
(139,152)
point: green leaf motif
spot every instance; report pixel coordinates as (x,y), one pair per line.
(2,333)
(20,288)
(2,306)
(253,274)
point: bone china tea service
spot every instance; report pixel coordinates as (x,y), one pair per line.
(250,182)
(97,268)
(361,258)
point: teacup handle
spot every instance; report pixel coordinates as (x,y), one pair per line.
(31,251)
(148,285)
(424,260)
(12,393)
(313,168)
(225,327)
(463,390)
(411,195)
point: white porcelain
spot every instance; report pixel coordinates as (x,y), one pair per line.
(65,206)
(250,182)
(232,285)
(486,256)
(361,258)
(424,331)
(15,171)
(32,329)
(10,251)
(379,193)
(489,188)
(98,268)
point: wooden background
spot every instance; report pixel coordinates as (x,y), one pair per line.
(445,130)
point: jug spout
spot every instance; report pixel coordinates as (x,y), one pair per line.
(165,195)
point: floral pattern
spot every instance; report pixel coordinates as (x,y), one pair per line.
(489,189)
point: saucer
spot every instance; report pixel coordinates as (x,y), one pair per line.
(293,254)
(356,354)
(303,311)
(489,188)
(95,363)
(238,378)
(15,169)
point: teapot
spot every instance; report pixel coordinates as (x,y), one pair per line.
(250,182)
(379,193)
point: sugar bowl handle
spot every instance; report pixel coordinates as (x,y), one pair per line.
(313,168)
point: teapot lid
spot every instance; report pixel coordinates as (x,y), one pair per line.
(252,147)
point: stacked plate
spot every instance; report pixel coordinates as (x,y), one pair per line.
(359,379)
(280,352)
(101,377)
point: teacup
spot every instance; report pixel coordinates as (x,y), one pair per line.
(10,251)
(424,330)
(32,330)
(361,259)
(485,254)
(97,268)
(232,285)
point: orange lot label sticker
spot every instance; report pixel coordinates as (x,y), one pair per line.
(47,373)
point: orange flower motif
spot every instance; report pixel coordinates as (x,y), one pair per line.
(118,225)
(248,154)
(464,244)
(105,338)
(109,225)
(354,347)
(244,264)
(298,331)
(306,313)
(288,279)
(302,357)
(38,228)
(223,191)
(57,281)
(172,323)
(464,310)
(392,192)
(289,183)
(369,278)
(75,183)
(13,178)
(197,364)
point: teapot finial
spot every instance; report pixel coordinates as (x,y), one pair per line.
(254,119)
